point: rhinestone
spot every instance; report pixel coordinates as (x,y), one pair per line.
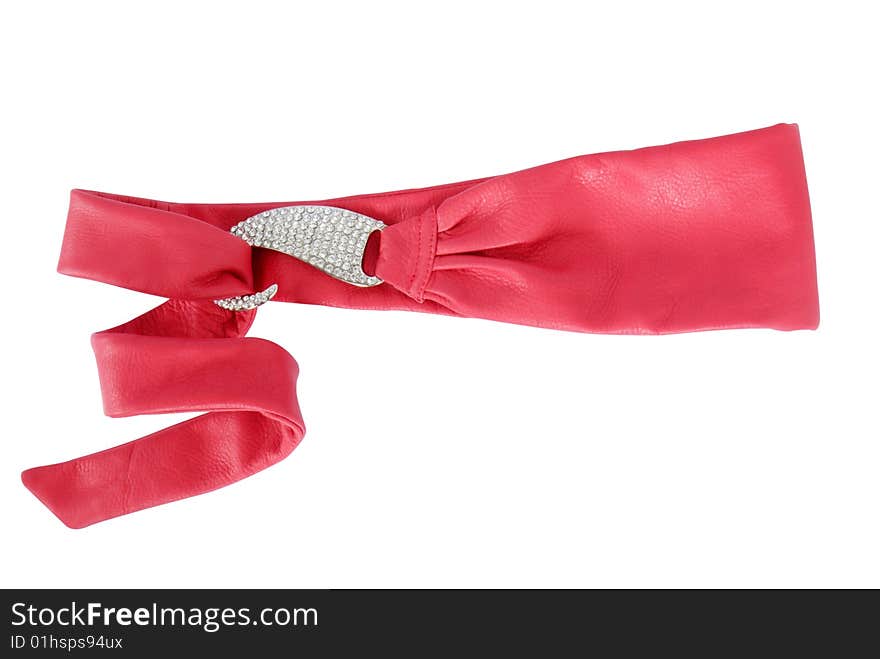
(331,239)
(244,302)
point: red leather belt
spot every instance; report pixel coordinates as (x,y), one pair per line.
(699,235)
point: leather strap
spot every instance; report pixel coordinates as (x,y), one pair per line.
(182,356)
(707,234)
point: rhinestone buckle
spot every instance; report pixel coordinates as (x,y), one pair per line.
(330,239)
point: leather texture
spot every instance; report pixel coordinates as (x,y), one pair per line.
(699,235)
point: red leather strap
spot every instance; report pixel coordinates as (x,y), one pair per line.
(690,236)
(180,357)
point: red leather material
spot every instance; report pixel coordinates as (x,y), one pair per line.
(180,357)
(690,236)
(142,245)
(699,235)
(406,254)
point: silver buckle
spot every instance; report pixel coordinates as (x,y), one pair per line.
(328,238)
(245,302)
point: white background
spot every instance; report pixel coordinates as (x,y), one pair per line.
(502,455)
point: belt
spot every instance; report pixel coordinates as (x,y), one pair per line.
(699,235)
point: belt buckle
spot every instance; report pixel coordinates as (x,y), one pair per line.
(330,239)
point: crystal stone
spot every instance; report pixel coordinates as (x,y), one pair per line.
(245,302)
(328,238)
